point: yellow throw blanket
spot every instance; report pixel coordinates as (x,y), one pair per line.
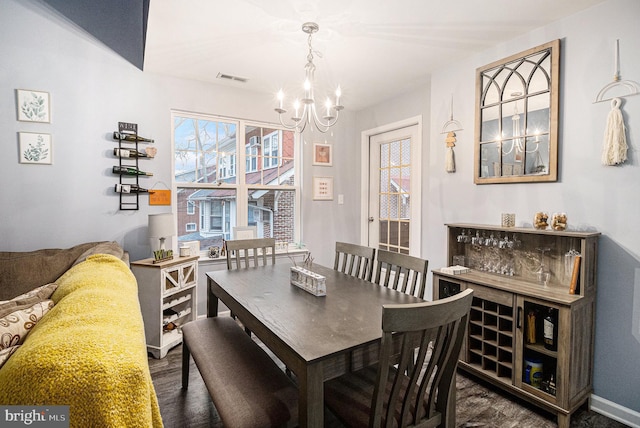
(88,352)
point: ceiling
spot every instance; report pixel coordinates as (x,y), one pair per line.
(374,49)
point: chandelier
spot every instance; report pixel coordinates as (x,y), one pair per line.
(305,109)
(519,142)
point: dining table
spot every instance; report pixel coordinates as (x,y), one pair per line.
(316,337)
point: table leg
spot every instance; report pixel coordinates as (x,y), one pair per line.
(212,301)
(311,397)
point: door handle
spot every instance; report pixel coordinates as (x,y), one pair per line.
(371,219)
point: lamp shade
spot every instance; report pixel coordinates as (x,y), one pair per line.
(161,225)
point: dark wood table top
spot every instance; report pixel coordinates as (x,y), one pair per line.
(314,328)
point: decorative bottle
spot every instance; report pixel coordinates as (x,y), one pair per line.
(126,153)
(551,330)
(128,170)
(131,137)
(130,188)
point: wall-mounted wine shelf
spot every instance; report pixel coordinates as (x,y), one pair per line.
(128,169)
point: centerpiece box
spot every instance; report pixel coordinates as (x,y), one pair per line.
(310,282)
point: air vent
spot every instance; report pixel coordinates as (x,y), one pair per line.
(230,77)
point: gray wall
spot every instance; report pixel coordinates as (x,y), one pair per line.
(592,195)
(92,89)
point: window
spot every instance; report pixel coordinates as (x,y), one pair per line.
(219,162)
(227,166)
(252,158)
(270,146)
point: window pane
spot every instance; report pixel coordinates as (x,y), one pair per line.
(273,213)
(204,150)
(270,155)
(212,217)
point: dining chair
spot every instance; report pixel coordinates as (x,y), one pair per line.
(396,393)
(402,272)
(354,260)
(250,252)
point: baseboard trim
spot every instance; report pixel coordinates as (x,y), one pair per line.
(615,411)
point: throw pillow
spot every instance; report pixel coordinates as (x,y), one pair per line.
(6,353)
(15,326)
(27,300)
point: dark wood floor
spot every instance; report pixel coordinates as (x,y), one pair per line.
(478,405)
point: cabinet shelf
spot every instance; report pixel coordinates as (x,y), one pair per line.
(496,347)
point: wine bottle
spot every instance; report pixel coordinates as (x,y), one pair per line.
(126,153)
(130,188)
(130,137)
(551,330)
(128,170)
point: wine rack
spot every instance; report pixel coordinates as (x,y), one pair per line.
(491,337)
(128,168)
(505,340)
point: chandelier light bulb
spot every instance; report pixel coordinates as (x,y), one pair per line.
(309,112)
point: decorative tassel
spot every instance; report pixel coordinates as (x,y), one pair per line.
(450,163)
(615,140)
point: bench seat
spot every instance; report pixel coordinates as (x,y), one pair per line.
(246,386)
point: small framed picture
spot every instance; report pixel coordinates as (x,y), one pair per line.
(33,106)
(322,154)
(35,148)
(323,188)
(245,232)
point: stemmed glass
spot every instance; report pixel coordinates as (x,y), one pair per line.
(543,272)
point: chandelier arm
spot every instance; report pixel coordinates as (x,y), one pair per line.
(319,123)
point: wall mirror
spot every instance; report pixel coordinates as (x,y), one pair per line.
(516,137)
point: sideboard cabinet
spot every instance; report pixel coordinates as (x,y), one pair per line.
(522,280)
(167,293)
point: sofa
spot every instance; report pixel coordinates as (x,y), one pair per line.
(81,338)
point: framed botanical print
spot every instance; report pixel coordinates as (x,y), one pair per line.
(35,148)
(33,106)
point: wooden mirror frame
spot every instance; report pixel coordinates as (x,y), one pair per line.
(485,82)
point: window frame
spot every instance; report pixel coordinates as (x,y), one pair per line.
(240,186)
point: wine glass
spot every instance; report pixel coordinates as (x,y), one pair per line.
(543,273)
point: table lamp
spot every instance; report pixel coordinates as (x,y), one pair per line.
(161,227)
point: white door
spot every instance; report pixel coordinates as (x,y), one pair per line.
(394,190)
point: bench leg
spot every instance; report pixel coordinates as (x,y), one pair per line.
(186,355)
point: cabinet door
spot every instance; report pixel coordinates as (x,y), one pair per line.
(188,274)
(542,351)
(171,279)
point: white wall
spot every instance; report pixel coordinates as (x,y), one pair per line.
(92,89)
(592,195)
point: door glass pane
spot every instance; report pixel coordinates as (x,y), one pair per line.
(394,194)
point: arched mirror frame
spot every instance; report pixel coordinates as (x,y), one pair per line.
(545,61)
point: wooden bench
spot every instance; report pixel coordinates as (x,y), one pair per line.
(246,386)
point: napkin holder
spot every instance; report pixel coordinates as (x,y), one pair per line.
(309,281)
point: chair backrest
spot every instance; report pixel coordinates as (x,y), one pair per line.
(402,272)
(354,260)
(254,252)
(420,391)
